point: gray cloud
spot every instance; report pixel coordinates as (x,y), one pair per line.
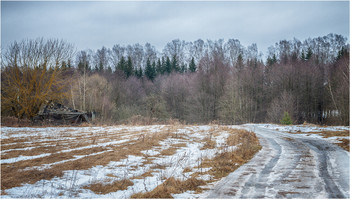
(97,24)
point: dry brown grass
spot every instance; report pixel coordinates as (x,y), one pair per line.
(209,143)
(31,152)
(14,143)
(286,194)
(172,186)
(169,151)
(14,174)
(327,134)
(226,162)
(344,144)
(172,150)
(12,177)
(14,122)
(104,188)
(187,169)
(148,173)
(158,166)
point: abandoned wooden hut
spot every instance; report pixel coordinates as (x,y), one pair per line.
(60,114)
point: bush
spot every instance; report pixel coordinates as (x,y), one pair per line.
(286,120)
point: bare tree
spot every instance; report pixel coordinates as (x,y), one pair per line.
(116,54)
(101,59)
(32,75)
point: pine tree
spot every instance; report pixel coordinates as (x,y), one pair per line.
(192,66)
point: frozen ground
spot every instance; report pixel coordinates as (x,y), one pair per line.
(293,165)
(290,166)
(302,128)
(188,154)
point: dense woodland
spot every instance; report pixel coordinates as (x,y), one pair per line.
(194,82)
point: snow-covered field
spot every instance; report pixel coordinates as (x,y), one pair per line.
(80,157)
(311,130)
(304,128)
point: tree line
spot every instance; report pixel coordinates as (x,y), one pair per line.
(194,82)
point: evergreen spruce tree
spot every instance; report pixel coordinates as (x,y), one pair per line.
(286,120)
(150,70)
(69,64)
(175,64)
(167,66)
(309,53)
(159,67)
(109,69)
(154,69)
(302,55)
(343,51)
(163,70)
(121,64)
(192,67)
(129,68)
(100,67)
(64,65)
(240,62)
(274,59)
(271,60)
(138,72)
(183,68)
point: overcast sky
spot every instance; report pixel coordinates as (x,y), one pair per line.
(96,24)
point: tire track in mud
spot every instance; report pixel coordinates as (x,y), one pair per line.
(259,182)
(321,149)
(288,166)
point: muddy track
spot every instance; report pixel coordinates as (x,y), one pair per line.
(289,165)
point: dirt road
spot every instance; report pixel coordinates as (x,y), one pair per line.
(289,165)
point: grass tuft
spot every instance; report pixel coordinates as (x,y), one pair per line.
(172,186)
(103,188)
